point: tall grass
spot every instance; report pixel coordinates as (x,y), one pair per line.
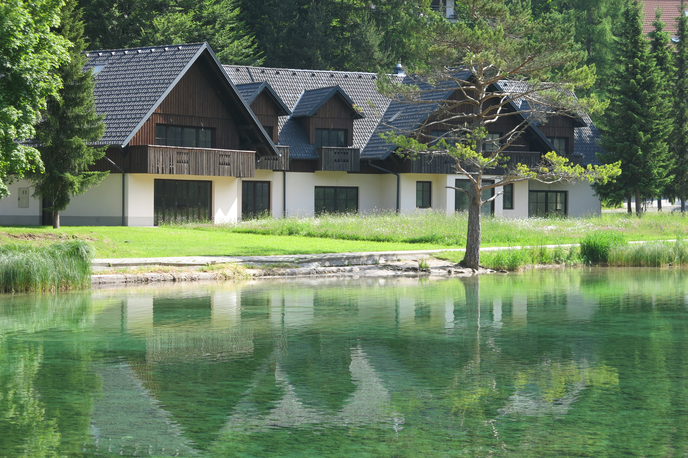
(55,267)
(595,248)
(522,258)
(651,254)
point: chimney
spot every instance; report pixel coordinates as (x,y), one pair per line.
(399,70)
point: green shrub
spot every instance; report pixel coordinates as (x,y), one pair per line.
(596,247)
(56,267)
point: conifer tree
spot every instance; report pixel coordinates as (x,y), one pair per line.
(636,125)
(680,132)
(69,123)
(664,60)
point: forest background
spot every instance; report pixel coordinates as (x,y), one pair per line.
(351,35)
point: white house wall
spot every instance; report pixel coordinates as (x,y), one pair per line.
(101,205)
(10,212)
(581,198)
(375,192)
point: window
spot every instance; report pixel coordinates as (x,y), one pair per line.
(181,201)
(423,194)
(559,144)
(547,203)
(461,198)
(331,137)
(184,136)
(255,199)
(449,137)
(336,199)
(508,196)
(491,142)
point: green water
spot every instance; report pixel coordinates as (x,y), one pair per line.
(584,363)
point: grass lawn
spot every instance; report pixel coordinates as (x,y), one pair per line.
(345,233)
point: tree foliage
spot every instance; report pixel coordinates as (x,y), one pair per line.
(506,65)
(679,139)
(68,125)
(636,126)
(113,24)
(29,52)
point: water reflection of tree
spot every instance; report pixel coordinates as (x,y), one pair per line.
(45,404)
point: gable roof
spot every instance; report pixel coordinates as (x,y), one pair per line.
(290,84)
(132,83)
(250,91)
(670,11)
(310,101)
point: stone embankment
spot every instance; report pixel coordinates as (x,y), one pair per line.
(112,272)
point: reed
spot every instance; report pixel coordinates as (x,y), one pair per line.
(595,248)
(55,267)
(651,254)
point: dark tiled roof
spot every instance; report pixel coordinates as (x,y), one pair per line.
(311,101)
(403,117)
(587,142)
(250,91)
(133,82)
(289,84)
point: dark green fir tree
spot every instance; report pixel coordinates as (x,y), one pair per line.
(69,124)
(662,53)
(680,132)
(636,125)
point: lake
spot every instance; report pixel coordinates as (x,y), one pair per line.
(584,362)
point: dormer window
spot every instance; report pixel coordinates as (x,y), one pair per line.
(559,144)
(331,137)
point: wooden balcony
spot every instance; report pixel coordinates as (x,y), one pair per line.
(280,162)
(177,160)
(339,159)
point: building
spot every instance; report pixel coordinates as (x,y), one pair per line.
(190,140)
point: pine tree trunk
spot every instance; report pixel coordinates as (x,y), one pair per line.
(638,204)
(472,257)
(628,205)
(659,203)
(683,205)
(56,220)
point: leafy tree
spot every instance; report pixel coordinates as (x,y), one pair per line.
(115,24)
(636,125)
(68,124)
(214,21)
(680,132)
(663,55)
(29,52)
(500,42)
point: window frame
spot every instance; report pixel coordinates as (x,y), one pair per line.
(255,212)
(423,195)
(491,143)
(460,181)
(547,195)
(554,140)
(510,193)
(163,136)
(350,194)
(331,134)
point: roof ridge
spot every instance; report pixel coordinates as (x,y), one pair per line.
(179,46)
(343,72)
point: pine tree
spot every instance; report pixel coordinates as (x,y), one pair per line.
(680,133)
(663,56)
(636,125)
(69,123)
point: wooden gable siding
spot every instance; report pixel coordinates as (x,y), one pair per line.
(560,127)
(501,126)
(192,102)
(266,111)
(334,114)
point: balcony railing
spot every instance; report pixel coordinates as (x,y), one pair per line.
(280,162)
(339,159)
(177,160)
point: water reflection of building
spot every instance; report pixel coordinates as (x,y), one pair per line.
(250,358)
